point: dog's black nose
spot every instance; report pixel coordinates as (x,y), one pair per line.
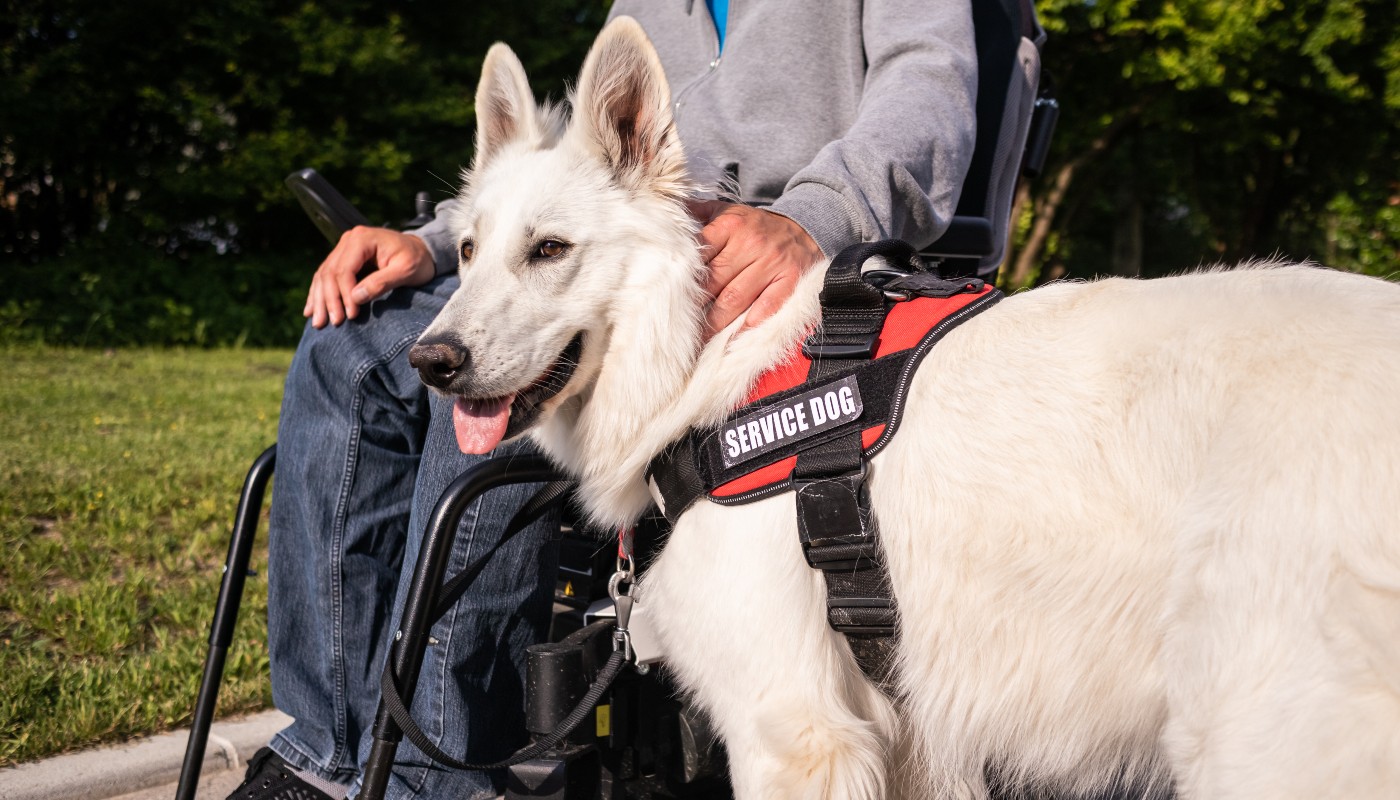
(437,363)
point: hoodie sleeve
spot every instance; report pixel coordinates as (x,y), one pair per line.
(898,170)
(438,236)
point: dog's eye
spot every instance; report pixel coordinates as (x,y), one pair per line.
(468,248)
(550,248)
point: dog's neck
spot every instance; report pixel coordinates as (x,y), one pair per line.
(658,379)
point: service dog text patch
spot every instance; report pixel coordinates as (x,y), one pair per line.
(798,417)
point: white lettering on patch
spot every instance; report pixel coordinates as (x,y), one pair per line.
(848,403)
(798,417)
(789,422)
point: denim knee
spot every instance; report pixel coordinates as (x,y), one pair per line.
(354,419)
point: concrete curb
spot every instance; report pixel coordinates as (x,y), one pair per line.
(108,772)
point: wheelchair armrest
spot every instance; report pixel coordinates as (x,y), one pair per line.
(966,237)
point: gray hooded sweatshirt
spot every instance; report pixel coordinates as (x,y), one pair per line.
(854,118)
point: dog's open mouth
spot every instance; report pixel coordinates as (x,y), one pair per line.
(483,423)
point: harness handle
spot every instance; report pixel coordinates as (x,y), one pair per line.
(853,311)
(844,287)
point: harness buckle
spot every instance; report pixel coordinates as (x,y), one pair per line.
(857,345)
(870,615)
(879,277)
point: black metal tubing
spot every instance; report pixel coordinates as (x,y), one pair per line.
(411,640)
(240,548)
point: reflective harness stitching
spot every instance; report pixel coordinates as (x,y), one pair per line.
(814,421)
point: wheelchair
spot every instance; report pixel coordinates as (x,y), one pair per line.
(636,740)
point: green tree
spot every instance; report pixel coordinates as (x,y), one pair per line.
(1202,130)
(143,145)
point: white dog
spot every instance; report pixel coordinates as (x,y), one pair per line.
(1135,529)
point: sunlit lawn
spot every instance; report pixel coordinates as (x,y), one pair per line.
(118,479)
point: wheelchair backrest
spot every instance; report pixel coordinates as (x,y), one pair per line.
(1009,39)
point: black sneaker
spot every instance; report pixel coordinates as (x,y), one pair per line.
(271,778)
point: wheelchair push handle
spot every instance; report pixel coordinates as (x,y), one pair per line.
(330,212)
(333,215)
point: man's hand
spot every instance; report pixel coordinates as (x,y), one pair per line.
(755,259)
(337,292)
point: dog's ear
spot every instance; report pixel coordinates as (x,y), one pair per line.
(505,106)
(623,108)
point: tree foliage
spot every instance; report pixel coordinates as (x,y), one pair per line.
(143,143)
(1218,130)
(143,146)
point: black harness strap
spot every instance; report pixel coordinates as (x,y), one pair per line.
(838,532)
(692,465)
(550,495)
(676,475)
(834,521)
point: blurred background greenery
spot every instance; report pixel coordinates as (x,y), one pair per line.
(143,143)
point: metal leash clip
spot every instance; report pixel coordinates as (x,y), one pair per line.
(622,600)
(622,638)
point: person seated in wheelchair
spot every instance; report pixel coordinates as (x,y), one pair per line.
(838,123)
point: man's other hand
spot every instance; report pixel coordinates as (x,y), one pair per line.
(755,258)
(337,291)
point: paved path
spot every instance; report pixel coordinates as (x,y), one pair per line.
(145,768)
(215,786)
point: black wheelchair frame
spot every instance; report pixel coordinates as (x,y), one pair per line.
(644,743)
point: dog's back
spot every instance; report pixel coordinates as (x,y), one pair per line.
(1158,523)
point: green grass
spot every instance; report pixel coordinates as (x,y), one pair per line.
(119,474)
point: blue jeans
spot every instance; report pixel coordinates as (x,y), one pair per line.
(364,452)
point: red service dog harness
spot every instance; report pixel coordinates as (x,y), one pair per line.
(812,423)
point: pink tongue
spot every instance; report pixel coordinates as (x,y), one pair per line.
(480,424)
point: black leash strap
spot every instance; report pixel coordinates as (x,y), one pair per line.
(550,495)
(547,497)
(389,690)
